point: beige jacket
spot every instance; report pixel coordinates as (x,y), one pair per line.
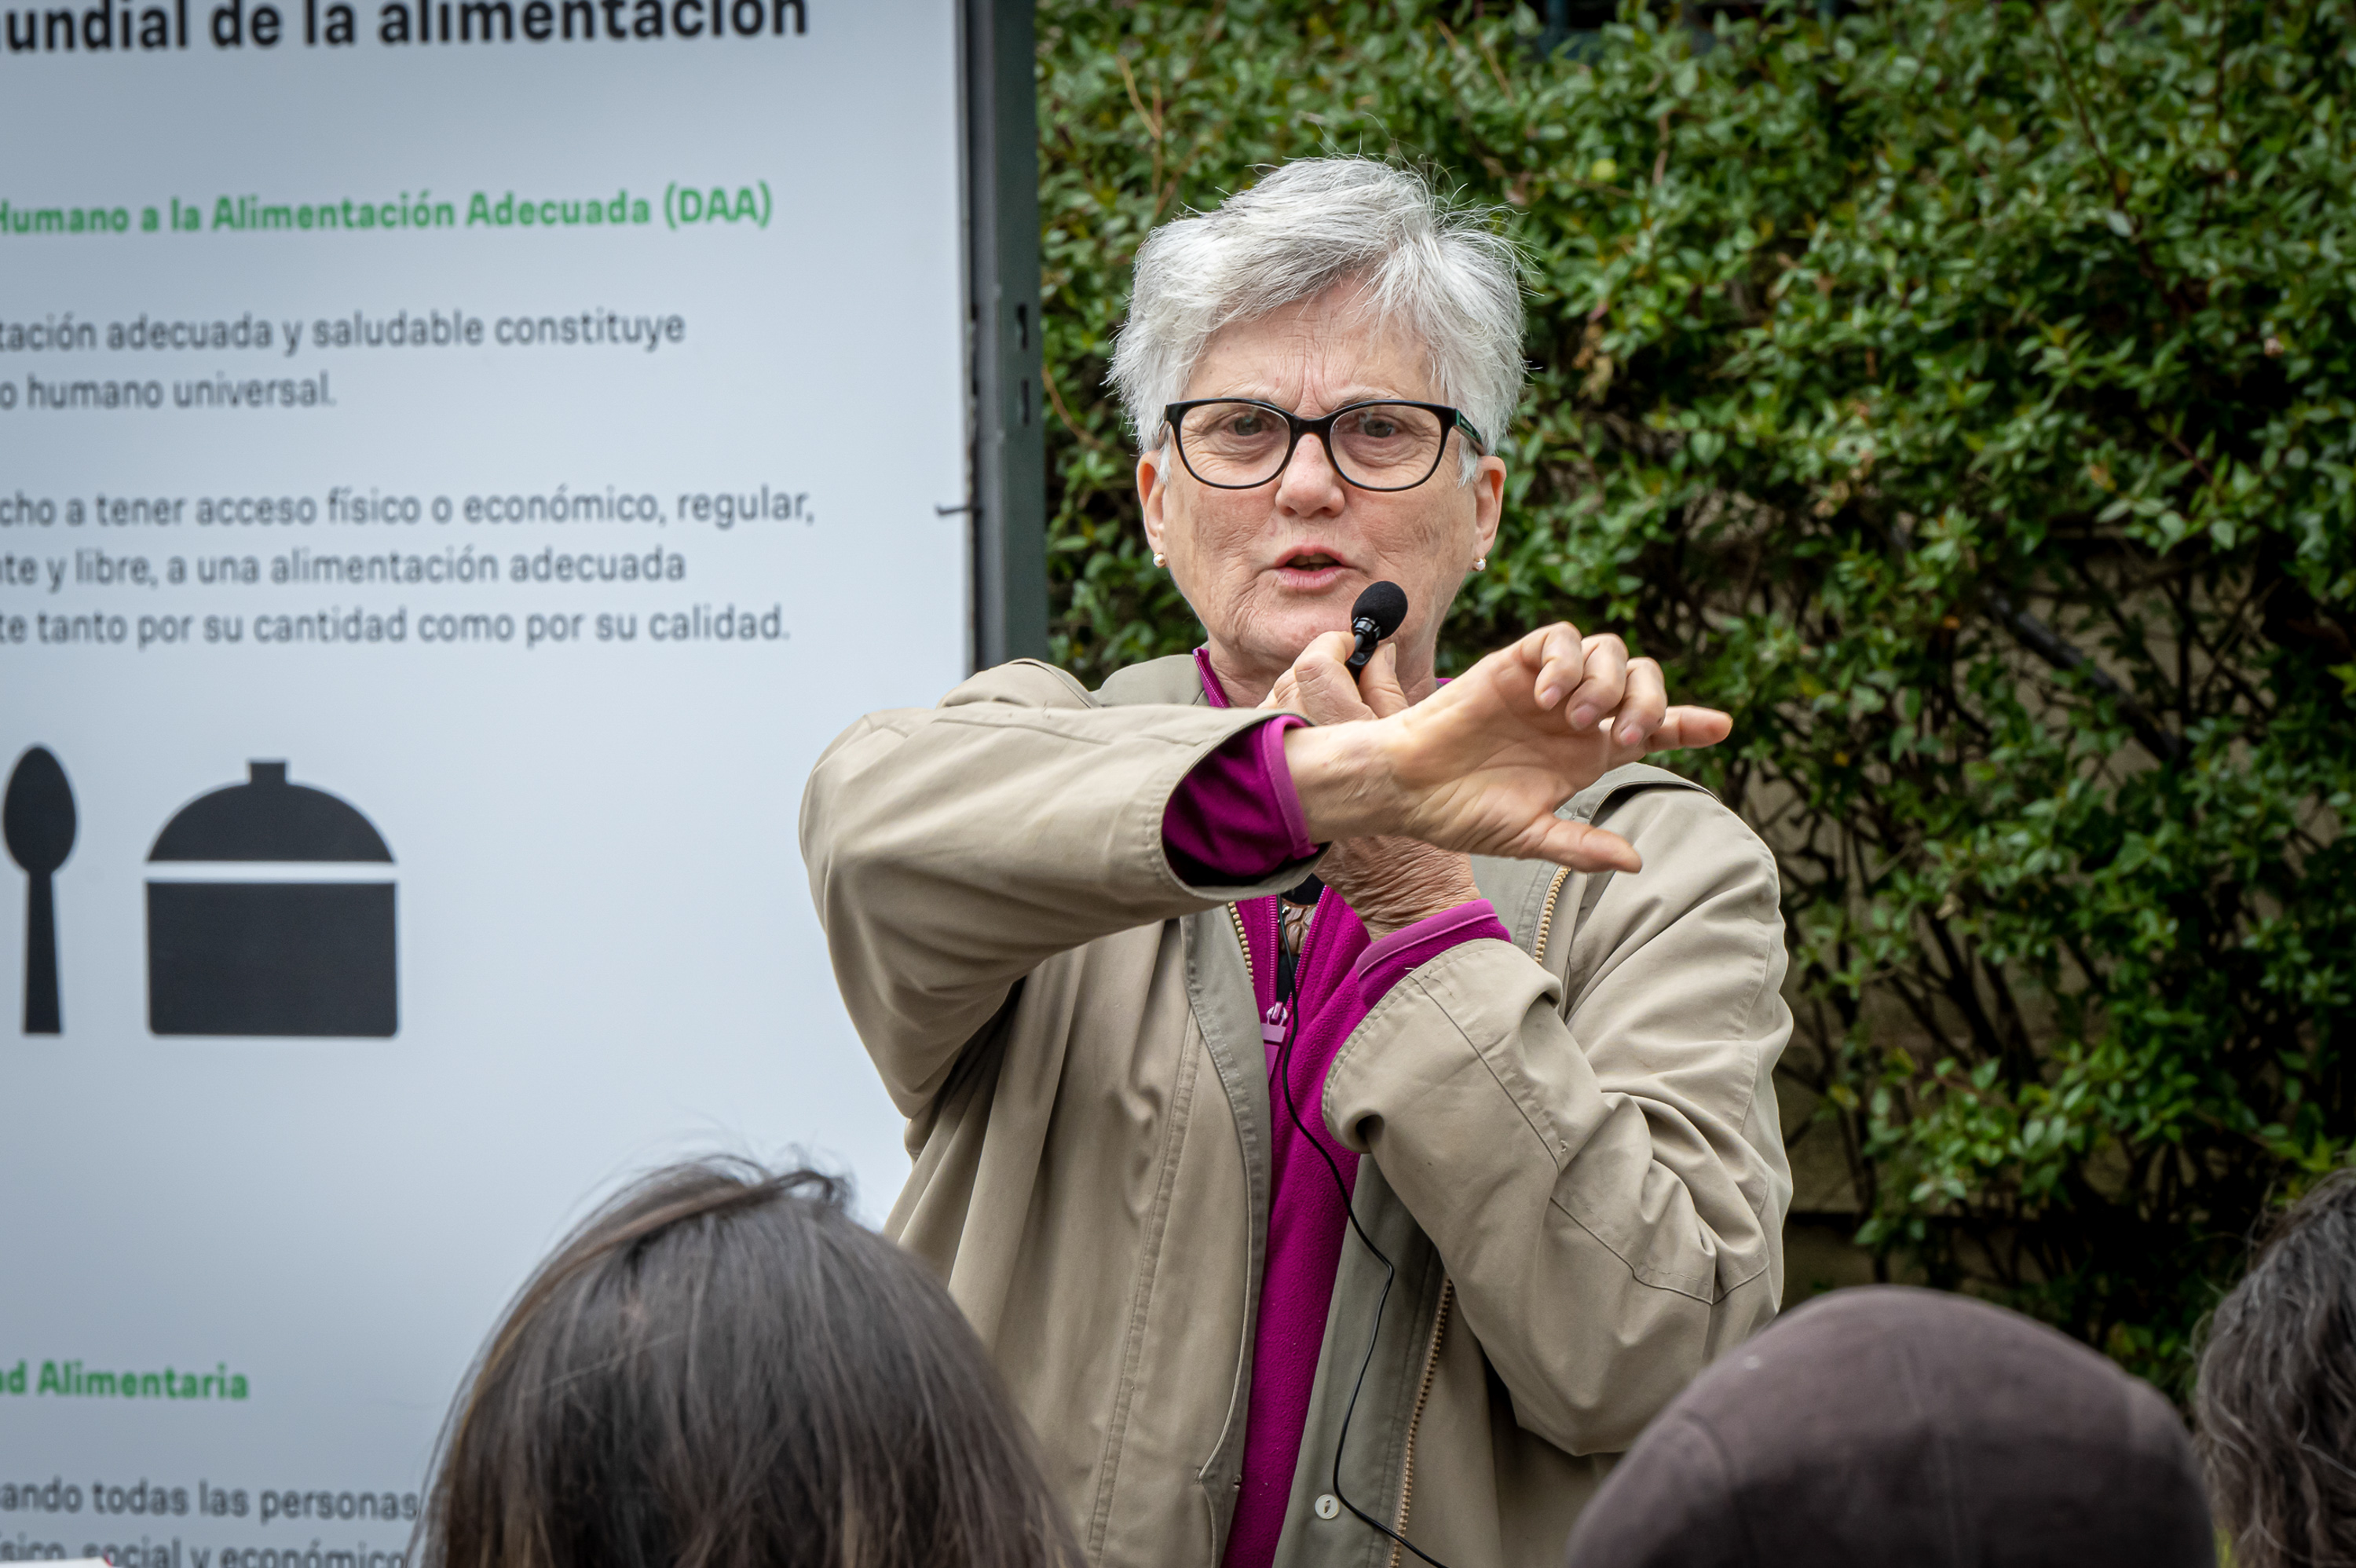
(1574,1159)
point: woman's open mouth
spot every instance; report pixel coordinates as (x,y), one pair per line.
(1311,570)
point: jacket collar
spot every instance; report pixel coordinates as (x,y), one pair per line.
(1173,681)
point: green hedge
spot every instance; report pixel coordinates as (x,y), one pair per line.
(1965,396)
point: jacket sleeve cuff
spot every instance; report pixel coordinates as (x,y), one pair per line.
(1281,787)
(1237,817)
(1386,961)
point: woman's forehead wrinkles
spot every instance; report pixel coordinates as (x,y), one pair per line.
(1312,360)
(1318,400)
(1309,383)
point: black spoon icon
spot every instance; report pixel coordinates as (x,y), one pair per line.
(37,819)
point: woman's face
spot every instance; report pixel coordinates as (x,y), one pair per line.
(1271,568)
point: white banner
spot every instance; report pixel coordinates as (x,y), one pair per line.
(459,461)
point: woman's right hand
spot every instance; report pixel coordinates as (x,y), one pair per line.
(1480,765)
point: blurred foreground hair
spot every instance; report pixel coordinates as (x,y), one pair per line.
(2276,1399)
(720,1369)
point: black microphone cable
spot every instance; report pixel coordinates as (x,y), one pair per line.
(1291,988)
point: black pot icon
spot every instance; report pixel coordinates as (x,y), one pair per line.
(270,912)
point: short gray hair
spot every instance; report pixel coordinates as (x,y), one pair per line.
(1446,270)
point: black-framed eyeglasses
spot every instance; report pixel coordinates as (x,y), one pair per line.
(1240,444)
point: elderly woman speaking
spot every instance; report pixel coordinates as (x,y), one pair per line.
(1341,1099)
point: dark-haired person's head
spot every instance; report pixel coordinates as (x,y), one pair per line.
(2276,1402)
(721,1368)
(1910,1429)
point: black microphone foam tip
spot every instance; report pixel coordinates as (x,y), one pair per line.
(1384,603)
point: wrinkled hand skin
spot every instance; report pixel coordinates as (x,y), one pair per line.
(1389,882)
(1405,793)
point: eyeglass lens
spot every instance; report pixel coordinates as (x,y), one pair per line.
(1375,446)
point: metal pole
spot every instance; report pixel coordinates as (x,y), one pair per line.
(1009,461)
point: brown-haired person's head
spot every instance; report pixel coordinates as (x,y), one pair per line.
(721,1368)
(1890,1427)
(2277,1400)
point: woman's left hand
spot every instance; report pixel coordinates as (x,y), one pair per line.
(1478,768)
(1389,883)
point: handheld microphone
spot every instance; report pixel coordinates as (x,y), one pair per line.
(1376,616)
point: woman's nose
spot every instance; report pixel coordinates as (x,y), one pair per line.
(1309,483)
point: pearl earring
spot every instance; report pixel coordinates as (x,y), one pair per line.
(1160,558)
(1480,563)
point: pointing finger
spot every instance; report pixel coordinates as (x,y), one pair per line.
(1684,728)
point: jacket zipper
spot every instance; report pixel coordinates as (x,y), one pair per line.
(1546,916)
(1447,1287)
(1288,1006)
(1423,1395)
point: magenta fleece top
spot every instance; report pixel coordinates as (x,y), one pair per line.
(1237,818)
